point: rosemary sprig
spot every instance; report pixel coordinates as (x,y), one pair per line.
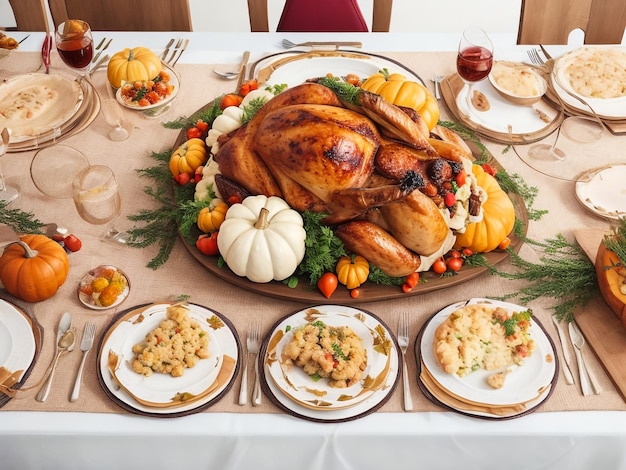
(615,240)
(563,273)
(19,220)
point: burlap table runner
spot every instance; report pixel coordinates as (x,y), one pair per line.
(181,275)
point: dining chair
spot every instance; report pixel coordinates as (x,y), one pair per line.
(551,22)
(125,15)
(321,16)
(30,15)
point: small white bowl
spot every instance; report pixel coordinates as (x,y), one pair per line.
(520,77)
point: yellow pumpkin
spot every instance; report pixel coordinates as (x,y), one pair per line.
(210,218)
(498,218)
(33,268)
(396,89)
(129,65)
(188,157)
(352,272)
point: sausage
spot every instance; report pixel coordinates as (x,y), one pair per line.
(378,247)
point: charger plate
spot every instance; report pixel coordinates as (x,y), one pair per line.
(526,386)
(322,403)
(161,395)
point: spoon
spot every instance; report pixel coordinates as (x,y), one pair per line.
(65,344)
(232,75)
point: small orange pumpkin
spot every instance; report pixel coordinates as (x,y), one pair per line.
(352,271)
(188,157)
(210,218)
(33,268)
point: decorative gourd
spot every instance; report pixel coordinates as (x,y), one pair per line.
(206,187)
(262,239)
(33,268)
(397,89)
(352,271)
(612,281)
(210,218)
(498,218)
(188,157)
(129,65)
(230,119)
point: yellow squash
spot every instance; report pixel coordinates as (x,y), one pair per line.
(130,65)
(397,89)
(498,218)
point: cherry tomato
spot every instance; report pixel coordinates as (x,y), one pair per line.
(406,288)
(234,200)
(202,126)
(467,252)
(461,177)
(504,244)
(449,199)
(327,284)
(412,279)
(182,178)
(230,100)
(153,97)
(143,102)
(489,169)
(353,79)
(72,243)
(354,293)
(207,244)
(248,86)
(439,266)
(454,264)
(454,254)
(193,133)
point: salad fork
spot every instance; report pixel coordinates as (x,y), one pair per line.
(403,342)
(86,343)
(253,344)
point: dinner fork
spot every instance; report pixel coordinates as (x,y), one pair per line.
(89,332)
(437,81)
(535,58)
(287,44)
(174,51)
(403,342)
(253,344)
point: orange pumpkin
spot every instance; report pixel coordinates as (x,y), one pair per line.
(352,271)
(33,268)
(610,281)
(498,219)
(188,157)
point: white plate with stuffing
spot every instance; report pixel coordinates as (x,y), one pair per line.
(523,383)
(17,342)
(602,191)
(312,397)
(162,393)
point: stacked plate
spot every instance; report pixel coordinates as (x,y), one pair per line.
(162,395)
(525,388)
(42,109)
(20,344)
(299,394)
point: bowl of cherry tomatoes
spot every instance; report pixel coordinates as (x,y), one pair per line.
(151,95)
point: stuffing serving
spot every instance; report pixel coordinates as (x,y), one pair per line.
(176,344)
(482,336)
(335,353)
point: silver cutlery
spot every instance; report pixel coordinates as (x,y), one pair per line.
(89,332)
(252,345)
(167,49)
(65,343)
(567,368)
(97,56)
(437,81)
(332,45)
(403,342)
(579,343)
(173,54)
(231,75)
(180,53)
(101,63)
(242,69)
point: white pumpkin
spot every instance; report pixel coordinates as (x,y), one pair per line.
(262,239)
(230,119)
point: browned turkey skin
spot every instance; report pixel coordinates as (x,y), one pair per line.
(320,156)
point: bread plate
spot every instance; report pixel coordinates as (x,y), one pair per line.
(602,191)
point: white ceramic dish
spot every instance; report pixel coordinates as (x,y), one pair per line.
(58,99)
(299,386)
(212,375)
(359,409)
(88,300)
(174,81)
(531,74)
(603,192)
(611,108)
(17,341)
(523,383)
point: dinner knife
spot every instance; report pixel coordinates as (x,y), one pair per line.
(546,53)
(582,372)
(595,384)
(242,69)
(329,45)
(265,73)
(567,369)
(64,325)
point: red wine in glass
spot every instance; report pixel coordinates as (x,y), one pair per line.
(77,53)
(474,63)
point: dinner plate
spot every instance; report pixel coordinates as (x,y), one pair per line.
(329,408)
(174,81)
(20,342)
(504,122)
(609,108)
(603,192)
(161,394)
(293,68)
(318,394)
(36,103)
(524,383)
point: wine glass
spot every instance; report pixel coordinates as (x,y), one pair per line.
(7,193)
(75,45)
(112,112)
(53,169)
(97,199)
(474,60)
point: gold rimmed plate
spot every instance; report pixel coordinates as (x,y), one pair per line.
(315,400)
(602,191)
(161,394)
